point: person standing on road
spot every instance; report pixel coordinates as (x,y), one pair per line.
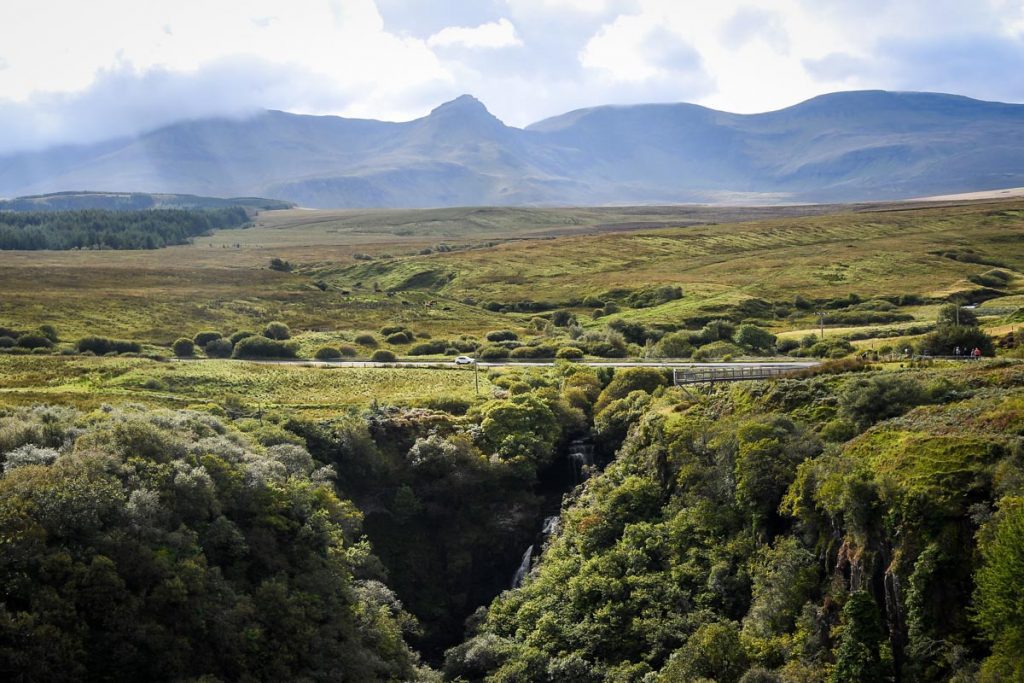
(956,352)
(976,353)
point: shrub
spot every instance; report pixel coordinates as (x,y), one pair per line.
(501,335)
(398,338)
(866,317)
(562,318)
(629,380)
(655,296)
(101,346)
(870,400)
(492,352)
(753,337)
(383,356)
(674,345)
(786,345)
(7,342)
(34,340)
(327,353)
(183,348)
(366,339)
(205,337)
(263,347)
(954,314)
(542,351)
(391,329)
(240,335)
(218,348)
(430,348)
(717,330)
(348,350)
(280,265)
(606,349)
(569,353)
(50,332)
(944,341)
(447,404)
(277,330)
(717,349)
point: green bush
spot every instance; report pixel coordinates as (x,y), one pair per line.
(367,340)
(429,348)
(753,337)
(101,346)
(492,352)
(786,345)
(263,347)
(7,342)
(501,335)
(348,350)
(954,314)
(868,400)
(540,351)
(944,340)
(715,330)
(383,356)
(278,331)
(674,345)
(34,340)
(629,380)
(240,335)
(205,337)
(399,338)
(718,349)
(219,348)
(392,329)
(50,332)
(327,353)
(563,318)
(183,347)
(569,353)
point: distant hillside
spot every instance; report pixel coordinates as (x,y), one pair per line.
(133,201)
(851,146)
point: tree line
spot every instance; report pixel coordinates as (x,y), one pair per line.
(103,229)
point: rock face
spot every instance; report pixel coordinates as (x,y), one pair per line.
(867,145)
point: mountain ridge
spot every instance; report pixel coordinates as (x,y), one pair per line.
(845,146)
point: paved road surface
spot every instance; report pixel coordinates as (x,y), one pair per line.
(795,365)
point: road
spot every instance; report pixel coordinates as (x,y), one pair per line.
(795,365)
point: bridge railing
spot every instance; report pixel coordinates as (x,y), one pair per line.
(724,374)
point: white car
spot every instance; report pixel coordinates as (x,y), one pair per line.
(464,360)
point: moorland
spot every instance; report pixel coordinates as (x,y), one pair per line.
(171,509)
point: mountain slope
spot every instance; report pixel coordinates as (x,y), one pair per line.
(844,146)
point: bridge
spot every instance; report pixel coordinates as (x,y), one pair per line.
(723,373)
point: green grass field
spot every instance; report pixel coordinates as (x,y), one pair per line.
(90,382)
(506,255)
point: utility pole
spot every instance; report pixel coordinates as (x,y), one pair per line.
(476,376)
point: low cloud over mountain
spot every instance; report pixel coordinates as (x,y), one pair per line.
(844,146)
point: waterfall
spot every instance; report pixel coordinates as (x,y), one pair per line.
(581,455)
(550,525)
(524,567)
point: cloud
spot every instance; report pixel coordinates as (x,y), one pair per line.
(122,102)
(119,66)
(755,23)
(977,65)
(495,34)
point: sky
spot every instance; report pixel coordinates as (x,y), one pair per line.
(81,72)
